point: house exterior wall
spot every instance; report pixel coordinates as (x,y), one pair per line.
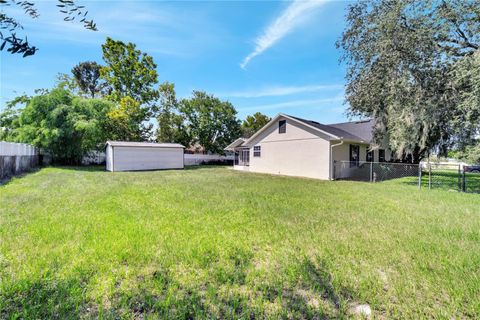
(145,158)
(342,152)
(300,151)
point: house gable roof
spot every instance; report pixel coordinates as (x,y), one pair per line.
(235,144)
(362,129)
(357,131)
(343,133)
(298,120)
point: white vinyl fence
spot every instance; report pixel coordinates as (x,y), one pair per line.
(96,157)
(16,158)
(198,159)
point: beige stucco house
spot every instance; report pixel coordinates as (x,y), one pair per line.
(293,146)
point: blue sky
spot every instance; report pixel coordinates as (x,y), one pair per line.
(267,56)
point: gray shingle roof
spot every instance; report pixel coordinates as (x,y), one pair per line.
(235,144)
(360,131)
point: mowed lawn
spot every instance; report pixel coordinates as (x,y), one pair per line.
(210,242)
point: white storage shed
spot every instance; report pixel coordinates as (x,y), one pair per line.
(132,156)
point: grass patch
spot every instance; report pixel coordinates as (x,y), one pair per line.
(215,243)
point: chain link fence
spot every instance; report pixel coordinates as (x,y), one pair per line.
(441,176)
(444,176)
(376,171)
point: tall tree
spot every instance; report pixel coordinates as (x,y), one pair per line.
(66,126)
(125,121)
(171,123)
(87,77)
(402,57)
(129,72)
(17,45)
(130,75)
(211,122)
(253,123)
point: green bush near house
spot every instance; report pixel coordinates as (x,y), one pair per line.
(210,242)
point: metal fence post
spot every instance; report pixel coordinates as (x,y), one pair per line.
(334,173)
(429,175)
(419,176)
(463,182)
(459,179)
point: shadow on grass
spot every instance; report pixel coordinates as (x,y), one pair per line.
(314,295)
(158,295)
(100,168)
(206,166)
(89,168)
(45,299)
(5,181)
(96,168)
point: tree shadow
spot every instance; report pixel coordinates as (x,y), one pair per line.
(7,180)
(206,166)
(43,299)
(88,168)
(158,295)
(314,296)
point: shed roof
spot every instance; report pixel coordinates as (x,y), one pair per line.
(144,144)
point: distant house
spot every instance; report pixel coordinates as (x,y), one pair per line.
(293,146)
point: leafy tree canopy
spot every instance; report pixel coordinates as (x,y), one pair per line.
(409,66)
(254,123)
(212,123)
(171,123)
(125,121)
(129,72)
(10,25)
(65,126)
(470,154)
(87,78)
(9,117)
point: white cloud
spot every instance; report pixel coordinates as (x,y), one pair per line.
(281,91)
(291,17)
(298,103)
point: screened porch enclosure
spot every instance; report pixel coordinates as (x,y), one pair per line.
(242,157)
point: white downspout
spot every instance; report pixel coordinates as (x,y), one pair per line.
(331,156)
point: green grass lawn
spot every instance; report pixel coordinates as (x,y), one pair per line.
(210,242)
(448,180)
